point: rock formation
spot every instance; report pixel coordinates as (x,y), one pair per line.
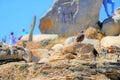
(68,17)
(111,25)
(61,62)
(8,52)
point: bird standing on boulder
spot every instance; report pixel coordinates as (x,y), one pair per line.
(80,37)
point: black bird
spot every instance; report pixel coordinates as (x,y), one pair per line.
(95,53)
(80,37)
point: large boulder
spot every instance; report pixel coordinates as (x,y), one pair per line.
(111,25)
(70,16)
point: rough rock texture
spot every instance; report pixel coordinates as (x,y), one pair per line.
(78,51)
(111,25)
(74,63)
(61,70)
(68,17)
(110,41)
(9,52)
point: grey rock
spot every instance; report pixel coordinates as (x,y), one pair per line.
(67,17)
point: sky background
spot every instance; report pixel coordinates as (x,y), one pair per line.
(18,14)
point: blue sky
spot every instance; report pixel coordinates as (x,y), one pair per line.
(18,14)
(103,15)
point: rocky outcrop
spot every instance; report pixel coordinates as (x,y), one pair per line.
(9,52)
(111,25)
(78,51)
(61,70)
(68,17)
(59,62)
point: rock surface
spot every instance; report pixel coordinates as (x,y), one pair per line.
(72,40)
(9,52)
(42,37)
(110,41)
(111,25)
(94,42)
(61,70)
(73,63)
(38,54)
(68,17)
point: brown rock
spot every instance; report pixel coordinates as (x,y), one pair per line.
(82,51)
(69,77)
(69,56)
(99,77)
(91,33)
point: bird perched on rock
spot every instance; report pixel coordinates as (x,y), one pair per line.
(80,37)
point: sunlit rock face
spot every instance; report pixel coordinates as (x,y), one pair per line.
(68,17)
